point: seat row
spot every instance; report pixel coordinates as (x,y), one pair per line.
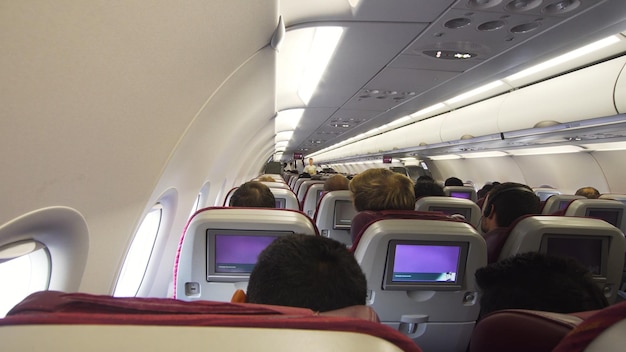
(419,265)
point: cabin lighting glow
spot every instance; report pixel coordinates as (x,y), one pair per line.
(427,110)
(562,149)
(444,157)
(475,92)
(284,136)
(606,146)
(323,46)
(399,121)
(564,58)
(287,120)
(489,154)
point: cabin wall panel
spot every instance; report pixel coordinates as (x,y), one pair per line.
(217,146)
(620,92)
(565,172)
(479,171)
(614,170)
(474,120)
(574,96)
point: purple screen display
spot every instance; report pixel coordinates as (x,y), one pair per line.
(464,195)
(426,258)
(231,249)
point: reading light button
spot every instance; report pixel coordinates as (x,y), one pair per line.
(192,288)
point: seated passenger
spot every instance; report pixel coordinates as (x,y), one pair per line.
(538,282)
(336,183)
(453,181)
(382,189)
(253,194)
(427,188)
(588,192)
(312,272)
(504,204)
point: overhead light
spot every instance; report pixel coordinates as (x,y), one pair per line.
(322,47)
(427,110)
(282,144)
(399,121)
(283,136)
(444,157)
(489,154)
(372,131)
(564,58)
(287,120)
(562,149)
(474,92)
(605,146)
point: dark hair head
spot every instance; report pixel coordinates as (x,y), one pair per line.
(382,189)
(453,181)
(538,282)
(253,194)
(425,178)
(511,200)
(312,272)
(427,188)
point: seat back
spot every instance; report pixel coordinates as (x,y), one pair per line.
(228,196)
(219,248)
(614,196)
(79,322)
(596,244)
(276,185)
(465,192)
(285,198)
(611,211)
(334,216)
(544,192)
(449,206)
(558,202)
(601,332)
(420,276)
(304,186)
(521,330)
(311,198)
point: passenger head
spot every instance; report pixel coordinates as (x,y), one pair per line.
(253,194)
(588,192)
(427,188)
(453,181)
(425,178)
(382,189)
(336,183)
(266,178)
(312,272)
(482,193)
(505,203)
(310,161)
(538,282)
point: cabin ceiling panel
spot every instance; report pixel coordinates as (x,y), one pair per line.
(364,51)
(394,86)
(365,10)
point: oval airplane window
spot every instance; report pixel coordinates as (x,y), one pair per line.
(26,265)
(138,255)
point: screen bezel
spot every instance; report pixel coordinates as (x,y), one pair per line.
(212,275)
(604,255)
(466,212)
(459,284)
(280,203)
(336,224)
(618,211)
